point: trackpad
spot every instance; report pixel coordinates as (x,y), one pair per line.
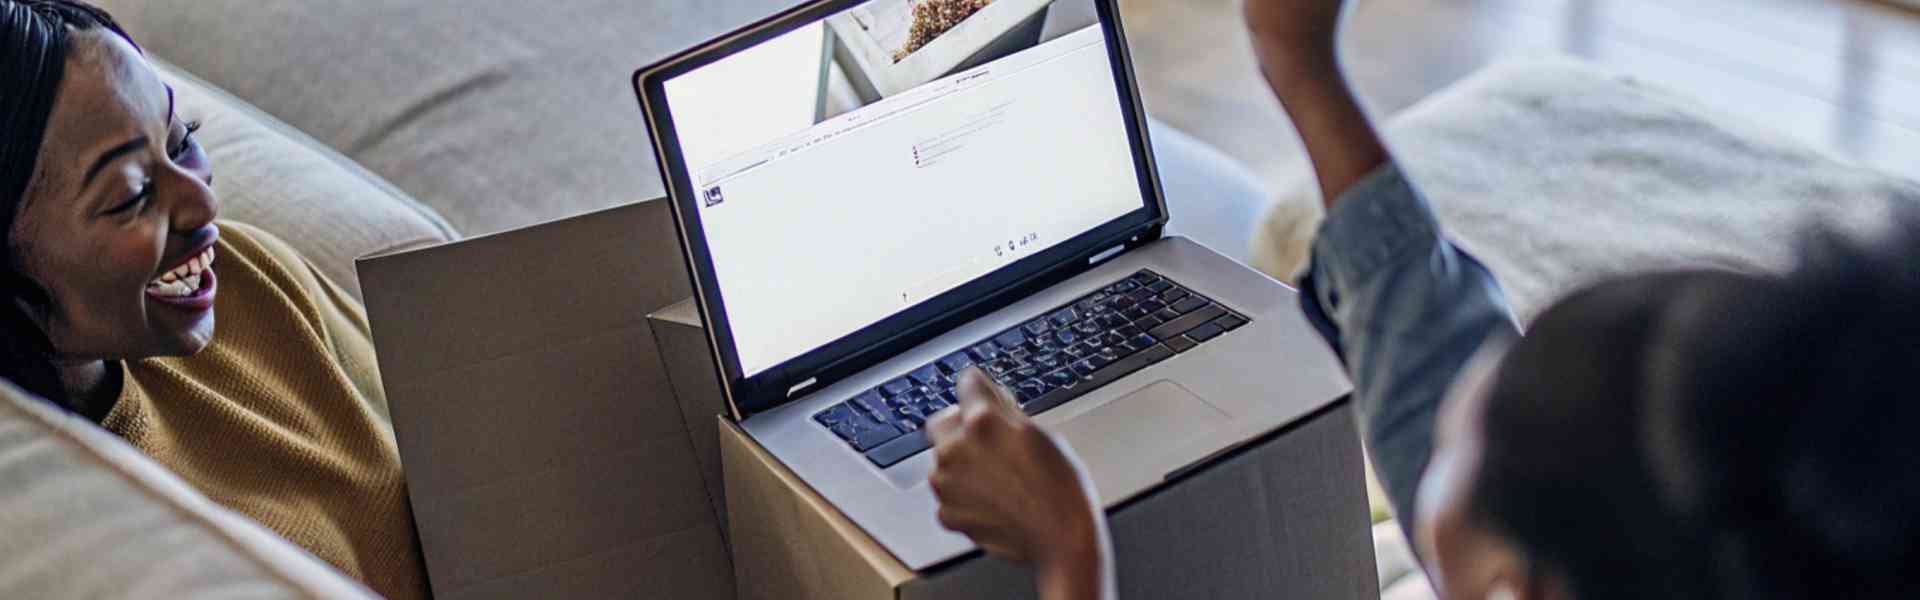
(1131,443)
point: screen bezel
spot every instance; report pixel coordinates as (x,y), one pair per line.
(875,343)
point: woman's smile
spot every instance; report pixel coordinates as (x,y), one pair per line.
(189,285)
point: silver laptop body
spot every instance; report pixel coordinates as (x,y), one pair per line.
(867,208)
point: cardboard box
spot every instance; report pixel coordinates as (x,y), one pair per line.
(559,443)
(1284,516)
(546,456)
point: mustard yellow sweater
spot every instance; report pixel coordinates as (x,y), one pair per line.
(282,418)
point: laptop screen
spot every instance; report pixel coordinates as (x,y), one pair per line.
(868,161)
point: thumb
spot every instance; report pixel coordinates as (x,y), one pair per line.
(978,391)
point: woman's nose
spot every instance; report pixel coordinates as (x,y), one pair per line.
(192,204)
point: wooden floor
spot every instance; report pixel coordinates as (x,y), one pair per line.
(1843,75)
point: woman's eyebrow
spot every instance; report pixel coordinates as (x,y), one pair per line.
(107,158)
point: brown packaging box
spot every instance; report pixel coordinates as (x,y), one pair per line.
(559,443)
(1284,516)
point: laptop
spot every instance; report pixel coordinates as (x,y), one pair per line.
(873,197)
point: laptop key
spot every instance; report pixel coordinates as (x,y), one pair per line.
(880,433)
(1088,327)
(1150,322)
(1181,344)
(1062,317)
(1160,286)
(1001,367)
(1085,368)
(1046,362)
(1134,312)
(1230,322)
(1026,373)
(1142,341)
(900,449)
(896,387)
(845,431)
(1205,332)
(1189,304)
(870,402)
(1187,322)
(1100,361)
(1166,314)
(926,375)
(838,413)
(1173,295)
(1030,389)
(1067,337)
(954,363)
(1062,378)
(1153,306)
(983,352)
(1095,342)
(1012,338)
(1037,327)
(912,414)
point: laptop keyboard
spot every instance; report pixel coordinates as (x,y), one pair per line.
(1047,361)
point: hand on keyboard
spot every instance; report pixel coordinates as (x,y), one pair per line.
(1015,490)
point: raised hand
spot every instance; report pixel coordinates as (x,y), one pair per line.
(1297,42)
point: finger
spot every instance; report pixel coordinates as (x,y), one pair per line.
(960,520)
(944,427)
(978,389)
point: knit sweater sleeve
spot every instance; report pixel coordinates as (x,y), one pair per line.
(336,316)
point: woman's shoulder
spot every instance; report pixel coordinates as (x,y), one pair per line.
(247,241)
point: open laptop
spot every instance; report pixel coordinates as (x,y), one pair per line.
(868,210)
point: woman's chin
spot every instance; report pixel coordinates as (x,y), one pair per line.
(189,339)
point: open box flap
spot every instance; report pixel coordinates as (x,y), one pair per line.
(545,453)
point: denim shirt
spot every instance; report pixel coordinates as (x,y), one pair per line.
(1405,310)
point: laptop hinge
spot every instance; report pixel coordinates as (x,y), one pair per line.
(801,387)
(1103,255)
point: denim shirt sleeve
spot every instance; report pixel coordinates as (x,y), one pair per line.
(1405,310)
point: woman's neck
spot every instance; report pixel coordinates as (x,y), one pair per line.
(90,385)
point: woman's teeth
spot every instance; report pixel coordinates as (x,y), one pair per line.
(183,280)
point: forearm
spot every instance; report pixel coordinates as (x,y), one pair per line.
(1340,140)
(1084,574)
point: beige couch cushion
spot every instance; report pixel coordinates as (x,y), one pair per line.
(84,515)
(1557,173)
(273,177)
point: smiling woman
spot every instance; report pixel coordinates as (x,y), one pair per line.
(112,267)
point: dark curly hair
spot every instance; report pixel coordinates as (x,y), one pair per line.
(35,40)
(1718,435)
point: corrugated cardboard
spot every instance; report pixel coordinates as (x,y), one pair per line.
(550,454)
(545,453)
(1284,516)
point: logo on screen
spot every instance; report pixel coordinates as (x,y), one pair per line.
(713,196)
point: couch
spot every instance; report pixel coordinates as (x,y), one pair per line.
(353,127)
(368,127)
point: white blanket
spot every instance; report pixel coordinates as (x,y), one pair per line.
(1556,173)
